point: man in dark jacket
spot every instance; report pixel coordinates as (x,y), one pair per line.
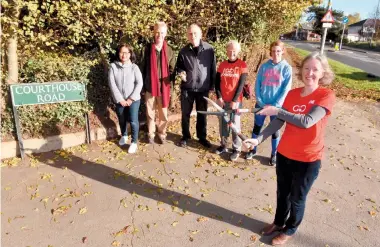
(158,66)
(196,66)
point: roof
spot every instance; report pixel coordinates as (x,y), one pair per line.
(365,22)
(307,26)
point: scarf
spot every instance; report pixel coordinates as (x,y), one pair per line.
(156,90)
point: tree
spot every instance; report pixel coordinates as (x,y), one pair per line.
(376,15)
(318,12)
(353,18)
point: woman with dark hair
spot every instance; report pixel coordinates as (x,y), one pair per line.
(125,81)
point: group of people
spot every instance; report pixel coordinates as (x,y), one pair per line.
(296,155)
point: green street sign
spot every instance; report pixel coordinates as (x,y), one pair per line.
(46,93)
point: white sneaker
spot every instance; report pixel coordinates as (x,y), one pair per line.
(123,140)
(132,148)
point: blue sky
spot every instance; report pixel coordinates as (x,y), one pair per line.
(364,7)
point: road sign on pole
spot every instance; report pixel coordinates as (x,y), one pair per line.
(45,93)
(345,20)
(327,21)
(328,17)
(327,24)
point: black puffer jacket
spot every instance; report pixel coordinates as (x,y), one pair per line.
(200,67)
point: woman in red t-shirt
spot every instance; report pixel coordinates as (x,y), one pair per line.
(305,111)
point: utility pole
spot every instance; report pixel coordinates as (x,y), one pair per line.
(325,29)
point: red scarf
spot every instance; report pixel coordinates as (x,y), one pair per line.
(156,90)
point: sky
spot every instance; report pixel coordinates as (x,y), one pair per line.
(363,7)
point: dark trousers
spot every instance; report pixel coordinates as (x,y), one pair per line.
(187,101)
(129,114)
(294,180)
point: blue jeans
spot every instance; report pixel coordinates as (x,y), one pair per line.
(129,114)
(294,180)
(258,125)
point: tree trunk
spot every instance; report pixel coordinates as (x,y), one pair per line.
(12,61)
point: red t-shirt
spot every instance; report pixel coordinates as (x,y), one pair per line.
(305,144)
(229,78)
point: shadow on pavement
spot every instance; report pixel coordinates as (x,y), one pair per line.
(192,143)
(134,185)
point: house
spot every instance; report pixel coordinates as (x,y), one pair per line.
(303,31)
(362,30)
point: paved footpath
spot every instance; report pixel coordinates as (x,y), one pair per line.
(98,195)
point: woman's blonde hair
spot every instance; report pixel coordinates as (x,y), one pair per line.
(328,75)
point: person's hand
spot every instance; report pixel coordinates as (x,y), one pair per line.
(220,102)
(183,75)
(123,103)
(234,105)
(250,143)
(129,102)
(269,110)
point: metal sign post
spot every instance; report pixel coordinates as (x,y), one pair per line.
(344,21)
(45,93)
(327,21)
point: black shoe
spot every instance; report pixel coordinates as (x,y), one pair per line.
(250,154)
(272,161)
(235,155)
(183,143)
(205,143)
(221,149)
(160,140)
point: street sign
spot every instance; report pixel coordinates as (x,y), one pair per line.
(45,93)
(327,24)
(345,19)
(328,17)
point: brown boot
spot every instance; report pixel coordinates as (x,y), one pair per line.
(281,239)
(269,229)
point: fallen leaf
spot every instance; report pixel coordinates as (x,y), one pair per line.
(327,200)
(233,233)
(83,210)
(84,240)
(175,223)
(370,200)
(202,219)
(116,243)
(372,213)
(121,232)
(253,238)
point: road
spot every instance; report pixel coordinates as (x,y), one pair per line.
(369,61)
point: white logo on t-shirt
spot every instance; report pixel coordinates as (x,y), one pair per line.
(231,72)
(299,108)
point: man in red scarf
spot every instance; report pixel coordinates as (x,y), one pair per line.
(157,69)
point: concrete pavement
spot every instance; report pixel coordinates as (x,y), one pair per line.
(98,195)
